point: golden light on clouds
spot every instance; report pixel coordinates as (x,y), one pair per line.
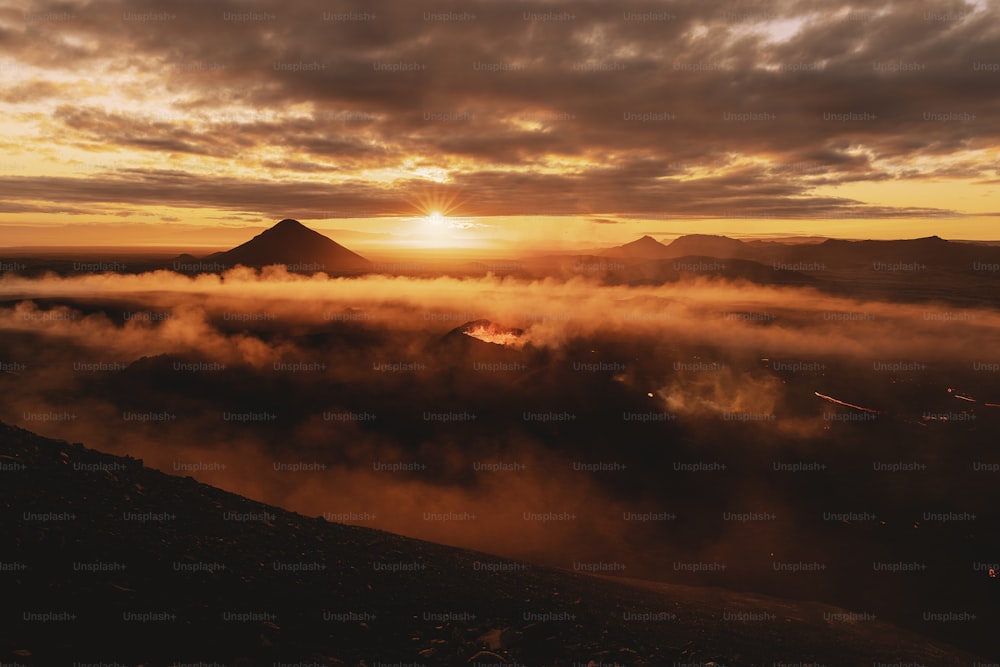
(810,117)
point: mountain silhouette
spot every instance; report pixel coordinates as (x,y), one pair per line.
(296,246)
(708,245)
(645,248)
(702,245)
(928,252)
(931,250)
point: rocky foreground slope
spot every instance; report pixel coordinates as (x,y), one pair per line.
(106,561)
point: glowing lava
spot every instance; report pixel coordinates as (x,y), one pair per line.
(488,332)
(844,403)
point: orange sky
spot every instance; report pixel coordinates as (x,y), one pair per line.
(490,125)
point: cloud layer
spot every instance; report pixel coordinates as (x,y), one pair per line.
(563,108)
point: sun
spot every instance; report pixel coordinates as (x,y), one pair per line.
(435,203)
(437,224)
(436,219)
(436,229)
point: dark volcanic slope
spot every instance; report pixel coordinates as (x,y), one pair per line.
(291,243)
(106,561)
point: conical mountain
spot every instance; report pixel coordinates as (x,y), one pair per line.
(296,246)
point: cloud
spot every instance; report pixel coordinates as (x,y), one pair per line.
(311,352)
(541,101)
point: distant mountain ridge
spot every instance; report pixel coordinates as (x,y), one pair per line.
(921,253)
(691,245)
(709,245)
(644,248)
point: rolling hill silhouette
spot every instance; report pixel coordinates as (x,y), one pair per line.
(708,245)
(932,251)
(702,245)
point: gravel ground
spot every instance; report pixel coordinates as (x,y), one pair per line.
(106,561)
